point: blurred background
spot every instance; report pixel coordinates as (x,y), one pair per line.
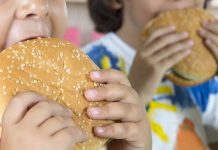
(81,30)
(80,25)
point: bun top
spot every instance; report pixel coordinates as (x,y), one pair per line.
(200,65)
(56,69)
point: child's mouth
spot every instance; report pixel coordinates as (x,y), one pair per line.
(33,37)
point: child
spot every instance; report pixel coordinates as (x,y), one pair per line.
(206,94)
(33,122)
(175,118)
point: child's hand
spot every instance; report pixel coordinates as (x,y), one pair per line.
(132,130)
(162,50)
(210,34)
(31,122)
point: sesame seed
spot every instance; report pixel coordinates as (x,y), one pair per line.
(68,71)
(34,81)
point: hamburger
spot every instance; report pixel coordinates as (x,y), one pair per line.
(57,70)
(200,65)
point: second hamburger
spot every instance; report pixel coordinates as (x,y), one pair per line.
(200,65)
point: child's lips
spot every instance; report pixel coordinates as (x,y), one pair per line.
(33,37)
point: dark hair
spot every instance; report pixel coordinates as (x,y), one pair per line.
(206,3)
(105,18)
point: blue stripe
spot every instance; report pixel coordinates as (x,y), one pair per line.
(98,52)
(202,92)
(180,98)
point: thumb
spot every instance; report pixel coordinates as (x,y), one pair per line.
(18,107)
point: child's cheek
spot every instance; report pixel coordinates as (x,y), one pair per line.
(3,32)
(7,11)
(59,17)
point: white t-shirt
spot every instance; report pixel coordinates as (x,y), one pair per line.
(175,114)
(117,47)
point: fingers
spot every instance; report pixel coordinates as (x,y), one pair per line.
(19,105)
(135,134)
(174,59)
(173,49)
(109,76)
(117,111)
(55,124)
(211,26)
(210,34)
(112,92)
(159,33)
(43,111)
(213,47)
(128,103)
(163,42)
(70,136)
(124,131)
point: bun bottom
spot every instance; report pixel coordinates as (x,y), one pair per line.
(182,81)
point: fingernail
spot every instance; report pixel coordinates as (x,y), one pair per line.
(91,93)
(202,32)
(205,23)
(188,51)
(191,43)
(95,75)
(184,34)
(172,27)
(94,111)
(100,129)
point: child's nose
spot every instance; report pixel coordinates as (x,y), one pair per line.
(33,9)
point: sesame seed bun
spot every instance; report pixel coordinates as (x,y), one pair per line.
(200,65)
(56,69)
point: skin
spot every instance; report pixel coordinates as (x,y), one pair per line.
(31,121)
(133,130)
(24,19)
(164,47)
(161,50)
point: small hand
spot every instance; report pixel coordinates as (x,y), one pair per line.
(131,130)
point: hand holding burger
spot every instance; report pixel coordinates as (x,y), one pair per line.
(173,44)
(43,86)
